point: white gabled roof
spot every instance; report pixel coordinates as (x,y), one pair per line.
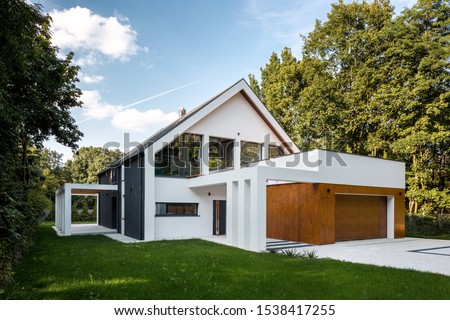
(182,124)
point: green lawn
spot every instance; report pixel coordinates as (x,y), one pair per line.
(96,267)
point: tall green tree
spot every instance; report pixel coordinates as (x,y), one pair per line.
(37,91)
(281,84)
(416,97)
(341,60)
(379,85)
(38,88)
(87,162)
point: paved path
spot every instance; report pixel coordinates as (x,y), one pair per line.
(407,253)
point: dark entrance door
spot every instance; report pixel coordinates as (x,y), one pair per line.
(219,217)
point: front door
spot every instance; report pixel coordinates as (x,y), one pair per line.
(219,217)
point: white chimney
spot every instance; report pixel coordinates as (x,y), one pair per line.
(181,112)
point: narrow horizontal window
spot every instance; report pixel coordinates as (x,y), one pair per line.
(176,209)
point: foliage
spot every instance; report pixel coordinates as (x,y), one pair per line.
(53,171)
(17,226)
(272,250)
(281,83)
(37,91)
(87,162)
(428,225)
(96,267)
(374,84)
(310,254)
(291,252)
(39,201)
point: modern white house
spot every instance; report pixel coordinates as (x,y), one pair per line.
(228,168)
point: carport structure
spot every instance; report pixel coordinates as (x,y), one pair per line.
(63,202)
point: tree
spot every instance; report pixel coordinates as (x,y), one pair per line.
(281,83)
(37,91)
(87,162)
(341,61)
(380,85)
(52,171)
(416,96)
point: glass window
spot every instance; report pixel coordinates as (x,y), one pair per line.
(176,209)
(250,152)
(221,153)
(275,151)
(180,158)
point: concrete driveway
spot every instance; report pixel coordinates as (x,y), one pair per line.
(407,253)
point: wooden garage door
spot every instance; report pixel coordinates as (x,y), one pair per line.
(360,217)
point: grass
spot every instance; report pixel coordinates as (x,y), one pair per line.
(84,222)
(96,267)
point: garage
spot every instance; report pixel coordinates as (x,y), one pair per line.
(319,213)
(360,217)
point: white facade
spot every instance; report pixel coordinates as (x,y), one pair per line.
(238,115)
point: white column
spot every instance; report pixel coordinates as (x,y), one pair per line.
(67,210)
(98,214)
(241,214)
(243,217)
(57,212)
(258,214)
(205,155)
(247,224)
(149,197)
(63,215)
(390,217)
(232,213)
(122,199)
(237,154)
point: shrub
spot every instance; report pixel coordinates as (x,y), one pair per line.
(272,250)
(18,223)
(291,252)
(310,254)
(428,225)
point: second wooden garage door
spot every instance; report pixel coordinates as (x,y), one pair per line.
(360,217)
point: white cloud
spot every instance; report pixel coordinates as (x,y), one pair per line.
(91,78)
(95,108)
(82,30)
(124,117)
(88,59)
(135,120)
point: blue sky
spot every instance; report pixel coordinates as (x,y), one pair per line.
(170,53)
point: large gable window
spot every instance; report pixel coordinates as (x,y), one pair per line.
(221,153)
(250,152)
(181,158)
(275,151)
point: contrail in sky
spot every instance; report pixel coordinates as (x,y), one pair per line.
(150,98)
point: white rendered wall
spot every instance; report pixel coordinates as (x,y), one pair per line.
(177,190)
(149,196)
(235,116)
(343,168)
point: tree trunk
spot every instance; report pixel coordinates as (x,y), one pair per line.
(25,163)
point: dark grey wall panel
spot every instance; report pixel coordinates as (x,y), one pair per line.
(134,198)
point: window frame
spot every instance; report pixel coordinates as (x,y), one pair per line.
(164,167)
(176,214)
(245,164)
